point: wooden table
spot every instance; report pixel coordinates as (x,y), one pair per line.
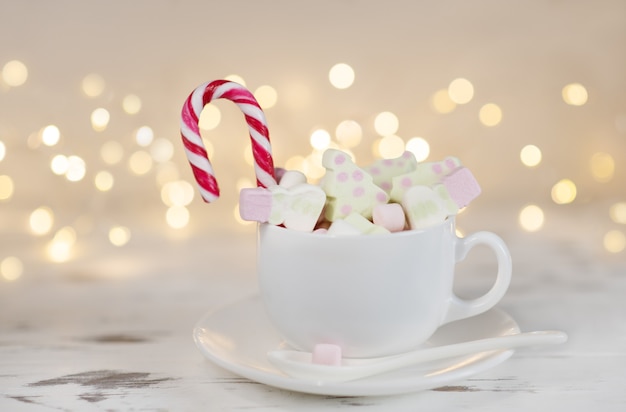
(111,330)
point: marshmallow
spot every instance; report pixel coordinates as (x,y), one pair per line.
(384,170)
(291,178)
(355,224)
(424,207)
(348,188)
(298,207)
(462,186)
(426,174)
(326,354)
(390,216)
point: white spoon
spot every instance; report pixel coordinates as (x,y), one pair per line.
(298,364)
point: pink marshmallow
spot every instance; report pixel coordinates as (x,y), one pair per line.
(255,204)
(327,354)
(390,216)
(462,186)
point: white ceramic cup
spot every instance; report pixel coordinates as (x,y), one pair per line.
(373,295)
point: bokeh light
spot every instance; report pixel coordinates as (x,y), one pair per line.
(575,94)
(461,91)
(319,139)
(490,115)
(144,136)
(390,147)
(530,155)
(162,150)
(41,220)
(177,217)
(177,193)
(531,218)
(341,76)
(614,241)
(563,192)
(104,181)
(93,85)
(266,96)
(235,78)
(100,119)
(59,164)
(386,123)
(441,102)
(3,150)
(140,162)
(50,135)
(618,212)
(131,104)
(119,235)
(419,147)
(602,167)
(349,133)
(6,187)
(14,73)
(60,248)
(11,268)
(112,152)
(210,117)
(76,169)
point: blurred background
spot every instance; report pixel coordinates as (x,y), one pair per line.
(531,96)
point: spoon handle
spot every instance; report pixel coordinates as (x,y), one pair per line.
(464,348)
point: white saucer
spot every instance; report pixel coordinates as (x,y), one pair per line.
(237,338)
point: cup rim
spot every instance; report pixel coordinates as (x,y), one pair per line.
(450,221)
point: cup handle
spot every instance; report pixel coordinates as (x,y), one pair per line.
(465,308)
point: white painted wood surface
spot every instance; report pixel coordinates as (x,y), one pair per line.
(112,330)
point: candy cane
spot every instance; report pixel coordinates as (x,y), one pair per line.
(195,149)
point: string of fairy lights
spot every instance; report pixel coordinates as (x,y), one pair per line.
(154,155)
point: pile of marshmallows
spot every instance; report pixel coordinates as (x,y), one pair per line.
(387,196)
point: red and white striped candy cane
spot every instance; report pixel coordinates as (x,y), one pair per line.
(195,149)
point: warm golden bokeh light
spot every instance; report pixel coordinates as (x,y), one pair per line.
(441,102)
(618,212)
(614,241)
(3,151)
(530,155)
(319,139)
(341,76)
(11,268)
(131,104)
(490,115)
(100,119)
(386,123)
(390,147)
(210,117)
(104,181)
(41,220)
(177,193)
(112,152)
(266,96)
(574,94)
(93,85)
(6,187)
(119,235)
(563,192)
(14,73)
(140,162)
(177,217)
(236,78)
(76,169)
(349,133)
(602,167)
(162,150)
(419,147)
(461,91)
(531,218)
(50,135)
